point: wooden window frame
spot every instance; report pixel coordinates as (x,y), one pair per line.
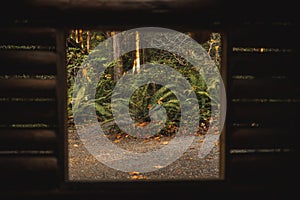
(145,185)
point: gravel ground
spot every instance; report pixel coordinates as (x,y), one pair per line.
(84,167)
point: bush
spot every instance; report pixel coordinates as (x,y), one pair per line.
(148,95)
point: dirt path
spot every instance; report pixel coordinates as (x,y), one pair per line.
(84,167)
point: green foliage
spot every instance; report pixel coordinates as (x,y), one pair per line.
(148,95)
(74,60)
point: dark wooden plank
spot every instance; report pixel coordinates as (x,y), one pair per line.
(265,112)
(27,62)
(236,10)
(133,12)
(246,12)
(23,172)
(27,88)
(263,64)
(62,98)
(263,138)
(27,36)
(34,163)
(28,112)
(265,37)
(151,6)
(272,167)
(265,88)
(28,139)
(22,69)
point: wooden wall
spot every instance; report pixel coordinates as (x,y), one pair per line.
(262,94)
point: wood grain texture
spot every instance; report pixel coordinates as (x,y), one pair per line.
(23,172)
(30,88)
(264,64)
(265,37)
(263,138)
(266,112)
(269,88)
(28,139)
(262,168)
(28,112)
(27,36)
(27,62)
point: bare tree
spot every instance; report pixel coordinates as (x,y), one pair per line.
(118,68)
(137,61)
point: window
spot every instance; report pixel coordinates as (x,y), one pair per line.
(140,150)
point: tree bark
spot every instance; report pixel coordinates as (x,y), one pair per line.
(118,69)
(137,60)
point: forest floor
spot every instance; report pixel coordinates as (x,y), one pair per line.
(83,166)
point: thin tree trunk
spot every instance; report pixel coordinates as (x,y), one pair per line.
(137,60)
(80,38)
(76,36)
(88,37)
(118,69)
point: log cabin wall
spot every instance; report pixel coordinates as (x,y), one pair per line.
(261,83)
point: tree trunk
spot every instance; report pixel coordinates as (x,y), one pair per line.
(137,60)
(118,69)
(80,38)
(88,38)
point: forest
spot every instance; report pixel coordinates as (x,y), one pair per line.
(82,43)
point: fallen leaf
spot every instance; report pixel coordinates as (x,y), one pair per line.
(118,136)
(157,138)
(158,166)
(75,145)
(165,142)
(142,124)
(116,141)
(134,173)
(137,177)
